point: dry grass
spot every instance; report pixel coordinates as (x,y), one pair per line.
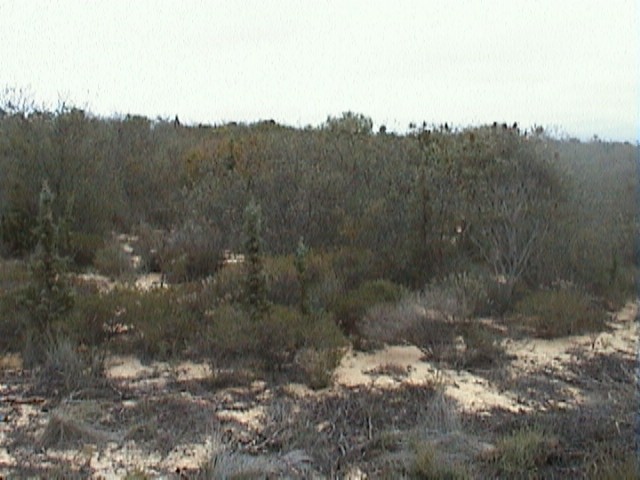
(66,430)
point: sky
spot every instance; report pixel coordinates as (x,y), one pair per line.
(572,66)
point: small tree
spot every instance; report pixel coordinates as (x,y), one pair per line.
(48,296)
(300,262)
(512,190)
(255,293)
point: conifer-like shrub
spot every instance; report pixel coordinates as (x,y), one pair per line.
(48,296)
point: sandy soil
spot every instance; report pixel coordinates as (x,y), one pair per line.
(105,451)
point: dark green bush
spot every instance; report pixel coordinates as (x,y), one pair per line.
(16,232)
(161,323)
(350,308)
(557,313)
(231,337)
(164,325)
(83,248)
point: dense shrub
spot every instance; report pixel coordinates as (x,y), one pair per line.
(429,463)
(524,452)
(350,308)
(354,267)
(192,252)
(16,232)
(14,275)
(226,285)
(232,337)
(164,325)
(83,248)
(112,260)
(282,283)
(159,324)
(561,312)
(482,347)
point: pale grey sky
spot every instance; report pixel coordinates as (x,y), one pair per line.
(569,64)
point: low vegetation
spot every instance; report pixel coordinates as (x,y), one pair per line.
(276,250)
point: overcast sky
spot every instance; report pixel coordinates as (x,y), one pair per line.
(573,65)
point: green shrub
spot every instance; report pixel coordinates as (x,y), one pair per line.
(430,464)
(354,305)
(14,275)
(524,452)
(83,248)
(318,365)
(557,313)
(164,325)
(16,232)
(228,337)
(232,337)
(482,346)
(161,324)
(97,316)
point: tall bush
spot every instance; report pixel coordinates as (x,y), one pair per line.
(255,290)
(48,296)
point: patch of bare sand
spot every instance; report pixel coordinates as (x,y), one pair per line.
(471,392)
(476,394)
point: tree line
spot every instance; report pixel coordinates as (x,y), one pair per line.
(520,205)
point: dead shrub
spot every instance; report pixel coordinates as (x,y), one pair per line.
(458,295)
(392,323)
(68,369)
(65,430)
